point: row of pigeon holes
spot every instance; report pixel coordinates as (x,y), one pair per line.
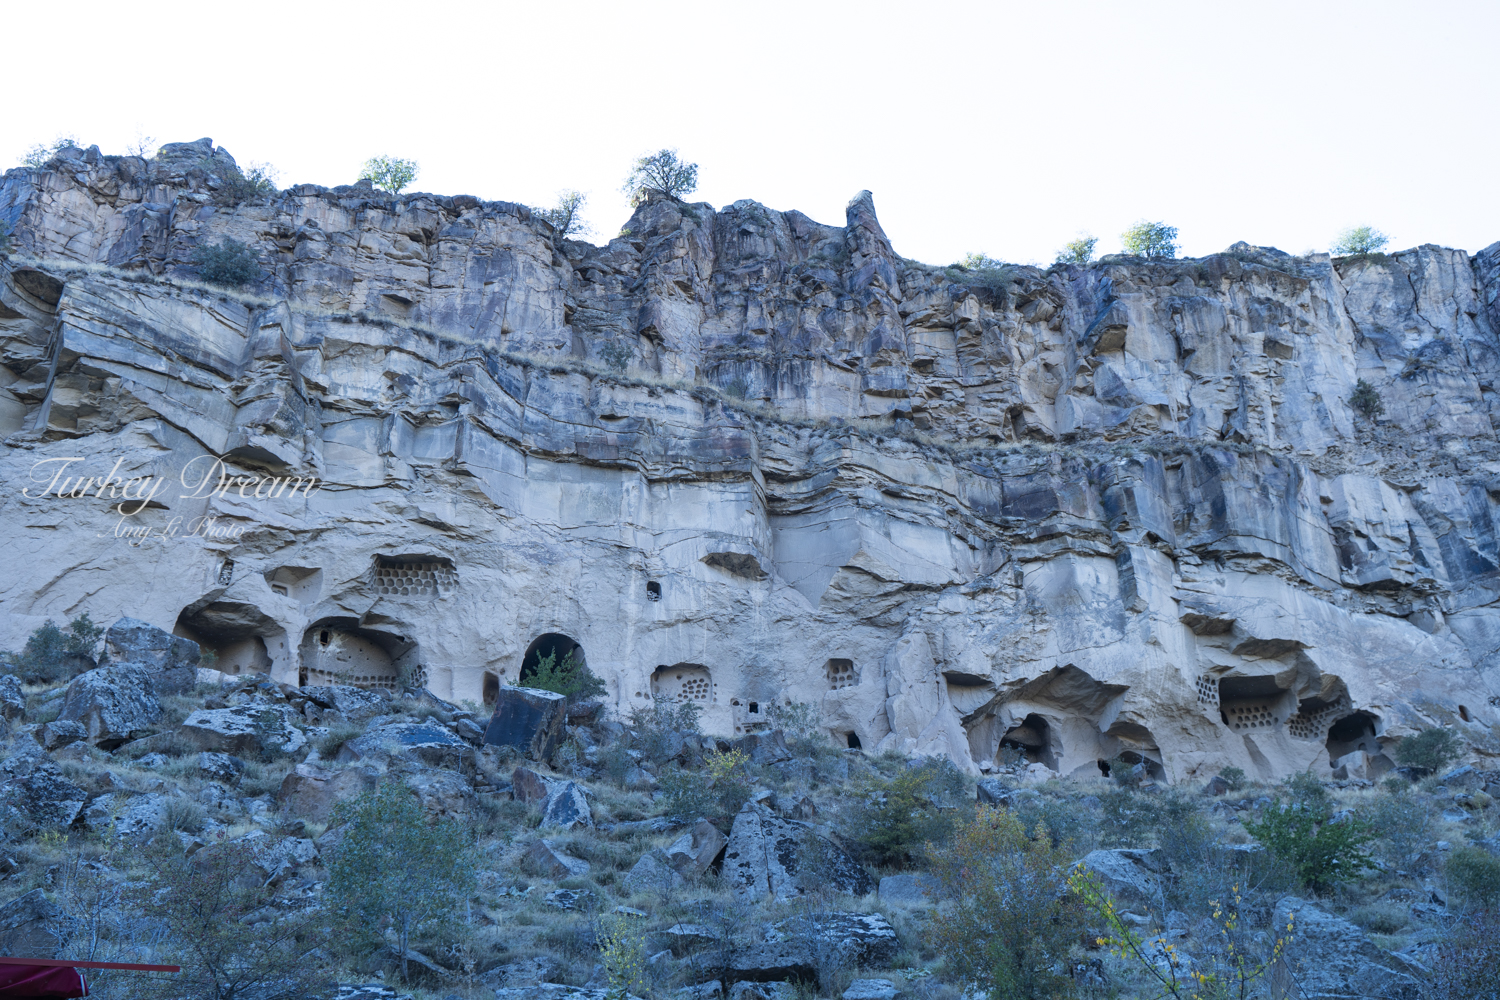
(1244,716)
(414,579)
(385,682)
(695,689)
(1208,691)
(1313,726)
(841,674)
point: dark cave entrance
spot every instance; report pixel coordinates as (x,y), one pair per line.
(1030,740)
(1351,733)
(549,644)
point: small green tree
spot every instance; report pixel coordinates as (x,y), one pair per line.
(40,155)
(389,173)
(1475,874)
(1322,853)
(565,218)
(982,270)
(394,868)
(898,815)
(1150,239)
(663,170)
(1430,750)
(1366,399)
(1012,920)
(49,649)
(258,180)
(1359,240)
(4,237)
(1078,251)
(231,264)
(1235,778)
(571,677)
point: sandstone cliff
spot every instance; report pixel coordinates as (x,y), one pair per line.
(747,458)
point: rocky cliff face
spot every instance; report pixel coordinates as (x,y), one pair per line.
(749,459)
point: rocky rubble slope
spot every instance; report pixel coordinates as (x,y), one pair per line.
(744,458)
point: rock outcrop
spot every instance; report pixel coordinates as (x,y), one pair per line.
(747,459)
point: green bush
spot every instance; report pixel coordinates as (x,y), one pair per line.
(1431,749)
(1078,251)
(1322,853)
(1366,399)
(1475,874)
(390,173)
(52,654)
(1235,778)
(896,816)
(258,180)
(565,218)
(1359,240)
(231,264)
(1150,239)
(393,868)
(664,171)
(40,155)
(617,356)
(981,271)
(570,677)
(1402,821)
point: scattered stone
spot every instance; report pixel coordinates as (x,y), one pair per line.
(797,947)
(1333,957)
(553,862)
(443,794)
(992,792)
(220,767)
(871,989)
(311,790)
(353,703)
(571,899)
(909,889)
(12,701)
(251,730)
(653,873)
(33,926)
(115,704)
(768,855)
(630,911)
(695,851)
(58,734)
(34,794)
(764,748)
(761,991)
(529,787)
(1361,766)
(528,719)
(1131,875)
(638,779)
(567,807)
(1216,786)
(422,742)
(703,991)
(288,853)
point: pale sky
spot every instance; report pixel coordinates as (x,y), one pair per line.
(1004,128)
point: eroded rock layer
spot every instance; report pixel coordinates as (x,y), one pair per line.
(747,459)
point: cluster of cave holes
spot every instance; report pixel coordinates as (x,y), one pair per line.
(413,576)
(841,673)
(1249,702)
(1208,690)
(335,653)
(1250,717)
(1314,716)
(683,682)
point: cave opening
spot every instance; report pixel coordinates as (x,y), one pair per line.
(491,689)
(1356,731)
(553,644)
(1030,741)
(852,741)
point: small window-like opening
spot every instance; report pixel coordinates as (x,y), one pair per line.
(755,708)
(279,588)
(1103,767)
(491,688)
(853,740)
(1463,713)
(323,637)
(653,590)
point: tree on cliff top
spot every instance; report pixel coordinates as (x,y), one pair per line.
(1078,251)
(663,170)
(566,218)
(389,173)
(1151,239)
(1359,240)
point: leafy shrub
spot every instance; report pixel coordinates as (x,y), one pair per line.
(664,171)
(1078,251)
(389,173)
(658,729)
(1431,749)
(1235,778)
(898,815)
(1380,918)
(1012,922)
(1359,240)
(329,746)
(717,793)
(52,654)
(258,180)
(1366,399)
(1322,853)
(1150,239)
(40,155)
(392,865)
(565,218)
(617,356)
(184,814)
(571,677)
(231,264)
(1401,821)
(982,271)
(1475,874)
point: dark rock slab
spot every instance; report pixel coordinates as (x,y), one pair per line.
(531,720)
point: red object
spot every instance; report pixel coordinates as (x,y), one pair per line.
(69,963)
(24,981)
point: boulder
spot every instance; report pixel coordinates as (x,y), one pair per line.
(993,792)
(420,742)
(312,790)
(59,733)
(170,660)
(764,748)
(529,787)
(136,818)
(35,794)
(1216,786)
(285,856)
(353,703)
(553,862)
(33,926)
(761,991)
(1362,766)
(1462,779)
(567,807)
(770,856)
(693,853)
(12,701)
(909,889)
(220,767)
(254,730)
(528,719)
(443,794)
(653,873)
(871,989)
(796,948)
(1133,876)
(115,704)
(572,899)
(1333,957)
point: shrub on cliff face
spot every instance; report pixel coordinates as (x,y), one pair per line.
(1366,400)
(258,180)
(4,237)
(389,173)
(1430,750)
(570,677)
(1151,239)
(565,217)
(40,155)
(230,264)
(1078,251)
(663,170)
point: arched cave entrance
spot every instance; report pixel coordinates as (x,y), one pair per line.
(553,644)
(852,741)
(235,638)
(1353,732)
(1031,740)
(339,651)
(491,689)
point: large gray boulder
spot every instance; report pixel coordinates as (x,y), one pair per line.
(567,807)
(171,660)
(253,730)
(115,703)
(553,862)
(796,948)
(34,794)
(781,858)
(1333,958)
(444,794)
(12,701)
(653,873)
(531,720)
(353,703)
(311,791)
(33,926)
(425,743)
(1132,876)
(693,853)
